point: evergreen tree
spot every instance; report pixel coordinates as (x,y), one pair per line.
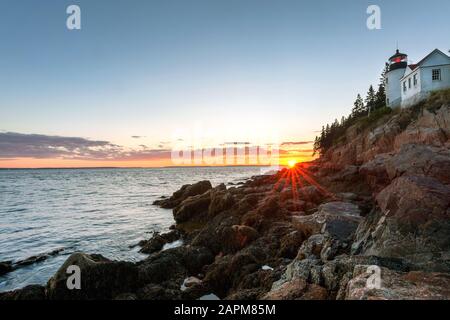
(380,99)
(370,101)
(358,107)
(316,146)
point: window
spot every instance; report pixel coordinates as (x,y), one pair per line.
(415,80)
(409,83)
(404,86)
(436,73)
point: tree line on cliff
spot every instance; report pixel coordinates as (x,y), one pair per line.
(373,105)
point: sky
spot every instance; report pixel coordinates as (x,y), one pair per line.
(143,78)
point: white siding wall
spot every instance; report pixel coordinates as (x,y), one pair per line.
(426,84)
(429,85)
(411,94)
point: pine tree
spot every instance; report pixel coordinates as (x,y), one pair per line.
(316,147)
(370,101)
(358,107)
(380,99)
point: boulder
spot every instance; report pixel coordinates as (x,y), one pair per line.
(100,278)
(5,267)
(194,208)
(183,193)
(174,264)
(412,223)
(290,243)
(162,266)
(336,219)
(375,172)
(415,285)
(430,129)
(269,206)
(230,270)
(297,289)
(413,159)
(221,200)
(157,242)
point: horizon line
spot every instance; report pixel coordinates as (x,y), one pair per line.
(156,167)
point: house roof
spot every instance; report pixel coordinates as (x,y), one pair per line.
(426,57)
(417,65)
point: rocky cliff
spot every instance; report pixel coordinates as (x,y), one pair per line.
(368,220)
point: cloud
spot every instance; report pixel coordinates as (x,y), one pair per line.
(137,137)
(296,143)
(38,146)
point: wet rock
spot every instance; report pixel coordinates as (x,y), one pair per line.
(32,292)
(239,237)
(5,267)
(221,201)
(37,258)
(100,278)
(194,208)
(217,234)
(195,258)
(185,191)
(157,242)
(398,286)
(162,266)
(230,270)
(290,244)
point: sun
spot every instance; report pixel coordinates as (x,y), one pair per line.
(291,163)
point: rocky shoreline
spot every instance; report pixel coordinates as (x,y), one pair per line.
(380,199)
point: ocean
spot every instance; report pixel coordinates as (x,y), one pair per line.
(105,211)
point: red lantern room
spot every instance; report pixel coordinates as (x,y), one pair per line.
(398,61)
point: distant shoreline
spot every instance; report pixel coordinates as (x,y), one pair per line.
(167,167)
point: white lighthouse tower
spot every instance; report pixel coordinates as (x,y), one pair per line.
(397,65)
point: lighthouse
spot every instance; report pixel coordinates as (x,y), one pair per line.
(397,66)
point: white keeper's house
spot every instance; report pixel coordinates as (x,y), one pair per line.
(409,84)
